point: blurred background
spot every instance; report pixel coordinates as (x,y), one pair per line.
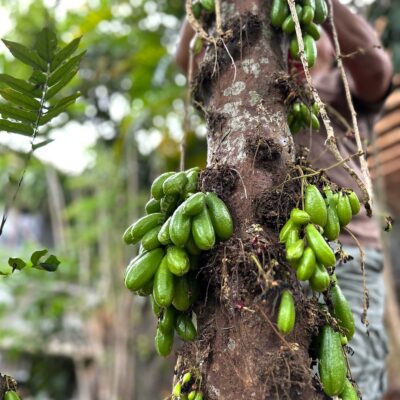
(78,333)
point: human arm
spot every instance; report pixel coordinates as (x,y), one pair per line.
(370,70)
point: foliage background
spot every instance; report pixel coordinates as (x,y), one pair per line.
(78,333)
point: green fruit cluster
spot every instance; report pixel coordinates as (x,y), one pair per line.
(183,389)
(306,235)
(202,5)
(179,224)
(302,117)
(311,13)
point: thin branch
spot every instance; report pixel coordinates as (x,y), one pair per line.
(363,161)
(331,139)
(196,24)
(218,18)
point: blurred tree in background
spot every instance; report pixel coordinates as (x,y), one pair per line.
(77,333)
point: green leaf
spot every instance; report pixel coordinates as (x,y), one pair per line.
(46,44)
(26,55)
(42,144)
(50,265)
(58,109)
(64,53)
(20,99)
(38,77)
(35,257)
(18,84)
(63,82)
(8,111)
(15,127)
(16,263)
(69,66)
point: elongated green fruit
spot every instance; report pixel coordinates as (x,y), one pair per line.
(150,239)
(169,203)
(332,364)
(294,49)
(138,229)
(192,395)
(279,12)
(315,205)
(164,285)
(193,178)
(196,9)
(315,106)
(186,378)
(348,392)
(308,15)
(157,185)
(288,25)
(208,5)
(293,237)
(177,390)
(342,311)
(203,230)
(199,396)
(191,247)
(296,126)
(167,320)
(321,11)
(323,252)
(344,210)
(332,226)
(142,269)
(314,30)
(179,227)
(186,292)
(184,328)
(175,184)
(220,217)
(163,342)
(287,313)
(178,260)
(354,202)
(299,11)
(319,281)
(194,204)
(155,307)
(295,251)
(152,206)
(299,217)
(284,232)
(310,49)
(314,121)
(163,236)
(11,395)
(307,265)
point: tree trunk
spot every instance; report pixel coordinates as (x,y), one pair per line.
(239,352)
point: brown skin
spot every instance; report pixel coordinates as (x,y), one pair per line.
(370,73)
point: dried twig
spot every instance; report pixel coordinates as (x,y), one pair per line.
(363,161)
(196,24)
(331,139)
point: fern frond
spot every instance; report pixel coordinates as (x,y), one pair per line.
(53,69)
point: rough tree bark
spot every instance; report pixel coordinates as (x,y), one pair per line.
(239,353)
